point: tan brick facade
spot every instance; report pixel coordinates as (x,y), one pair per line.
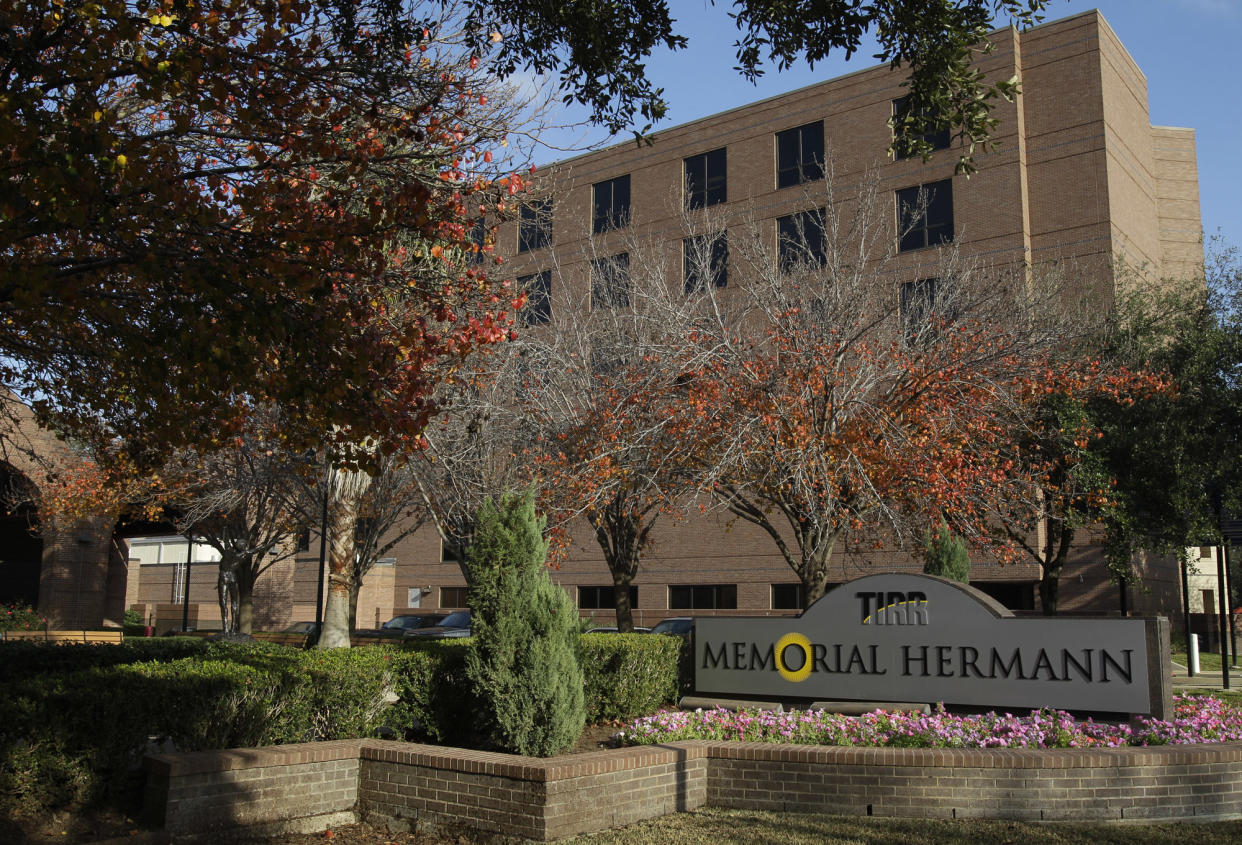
(1079,179)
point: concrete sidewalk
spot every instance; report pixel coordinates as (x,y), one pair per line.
(1205,680)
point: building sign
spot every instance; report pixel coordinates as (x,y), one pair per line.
(915,638)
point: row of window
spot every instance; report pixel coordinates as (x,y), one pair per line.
(1017,596)
(799,159)
(693,597)
(705,261)
(610,285)
(680,597)
(924,218)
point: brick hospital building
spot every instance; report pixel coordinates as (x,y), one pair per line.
(1079,177)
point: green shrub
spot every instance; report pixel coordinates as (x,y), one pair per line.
(442,706)
(945,555)
(523,668)
(31,658)
(628,675)
(20,617)
(79,736)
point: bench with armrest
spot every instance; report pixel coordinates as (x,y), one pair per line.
(109,635)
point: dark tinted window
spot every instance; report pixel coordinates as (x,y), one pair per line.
(535,225)
(600,598)
(612,204)
(800,154)
(705,260)
(786,596)
(801,239)
(538,287)
(452,597)
(610,281)
(937,139)
(706,183)
(918,302)
(700,597)
(925,215)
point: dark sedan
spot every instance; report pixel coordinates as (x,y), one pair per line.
(453,626)
(399,625)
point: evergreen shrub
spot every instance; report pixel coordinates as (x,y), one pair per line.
(31,658)
(945,555)
(523,667)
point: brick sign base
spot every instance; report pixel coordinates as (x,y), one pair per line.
(198,796)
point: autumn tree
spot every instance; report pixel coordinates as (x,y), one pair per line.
(213,207)
(856,406)
(618,453)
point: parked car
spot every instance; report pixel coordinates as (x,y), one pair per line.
(451,627)
(680,626)
(309,628)
(612,629)
(398,625)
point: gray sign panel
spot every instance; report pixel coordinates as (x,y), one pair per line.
(919,638)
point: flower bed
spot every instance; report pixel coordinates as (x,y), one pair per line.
(1196,719)
(20,617)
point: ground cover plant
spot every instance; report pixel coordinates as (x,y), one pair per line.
(20,617)
(1195,719)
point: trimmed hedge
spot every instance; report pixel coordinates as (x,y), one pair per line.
(76,720)
(31,658)
(628,675)
(79,736)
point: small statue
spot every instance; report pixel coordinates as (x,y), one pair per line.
(230,600)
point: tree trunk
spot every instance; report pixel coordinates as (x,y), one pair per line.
(245,600)
(1056,548)
(621,600)
(355,586)
(335,615)
(620,537)
(814,573)
(347,490)
(227,592)
(1049,587)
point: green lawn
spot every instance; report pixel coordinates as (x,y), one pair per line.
(1207,662)
(727,827)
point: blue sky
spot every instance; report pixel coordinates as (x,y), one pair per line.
(1188,49)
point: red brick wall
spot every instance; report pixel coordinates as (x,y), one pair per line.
(545,799)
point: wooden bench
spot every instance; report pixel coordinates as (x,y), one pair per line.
(282,638)
(111,635)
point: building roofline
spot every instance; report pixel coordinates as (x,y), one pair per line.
(808,87)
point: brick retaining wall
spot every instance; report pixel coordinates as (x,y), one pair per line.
(206,792)
(539,799)
(547,799)
(1165,782)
